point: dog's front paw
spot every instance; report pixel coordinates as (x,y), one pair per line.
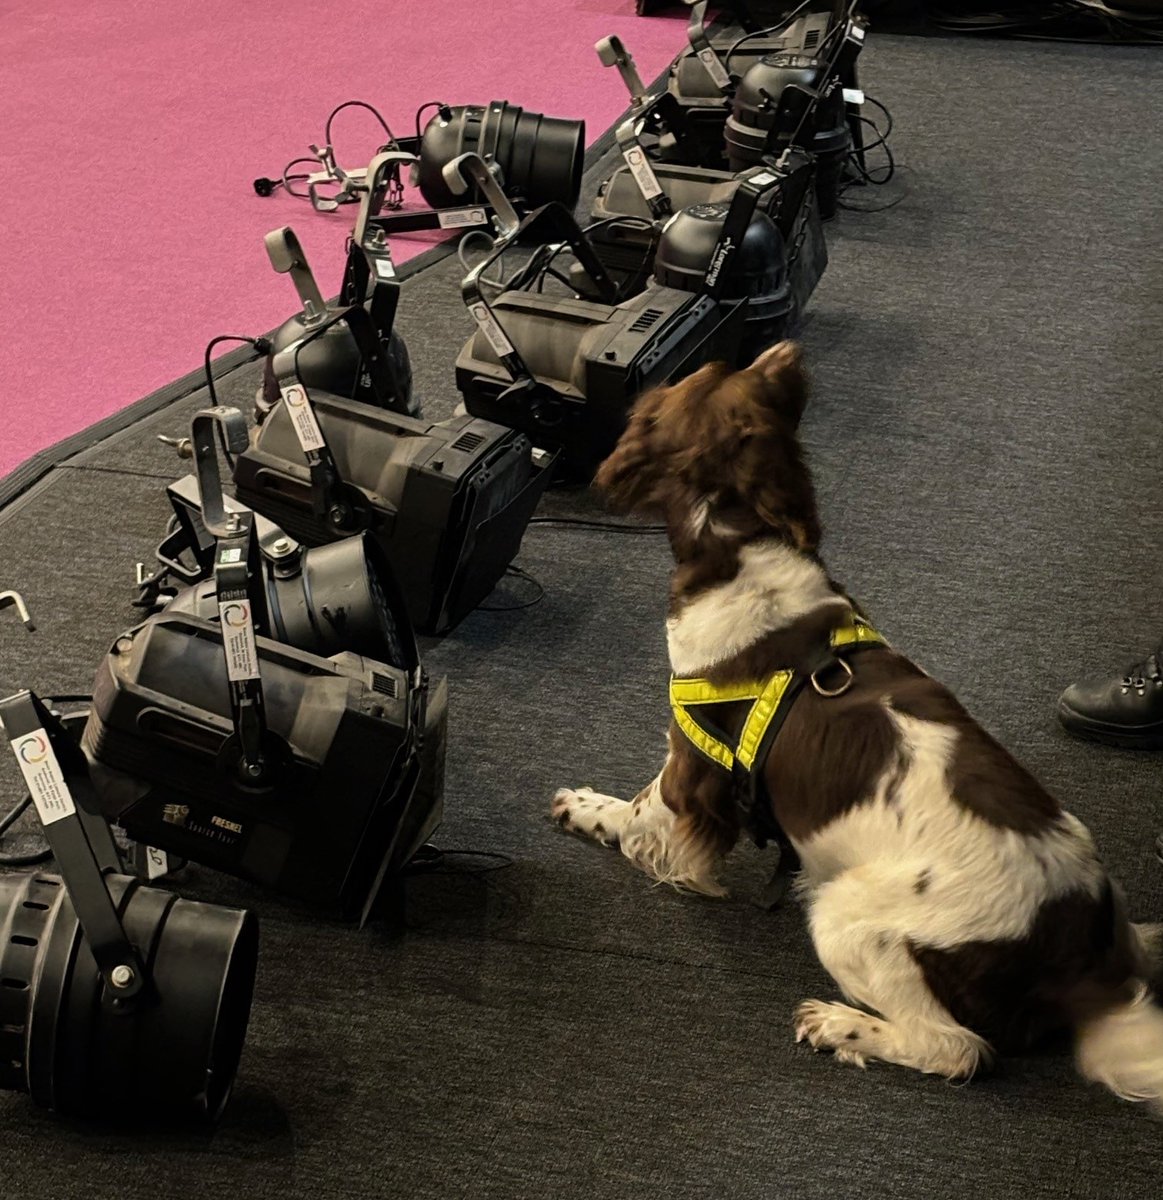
(563,798)
(585,811)
(849,1033)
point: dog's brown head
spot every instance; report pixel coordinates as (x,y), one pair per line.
(717,457)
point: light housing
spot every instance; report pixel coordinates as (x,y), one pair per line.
(119,1002)
(566,370)
(354,750)
(539,158)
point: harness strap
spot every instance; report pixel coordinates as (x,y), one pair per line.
(707,736)
(744,754)
(857,633)
(771,700)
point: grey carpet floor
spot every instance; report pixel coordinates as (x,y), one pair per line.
(985,432)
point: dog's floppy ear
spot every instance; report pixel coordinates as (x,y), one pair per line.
(625,478)
(782,369)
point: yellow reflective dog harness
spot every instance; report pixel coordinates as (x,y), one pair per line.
(692,701)
(771,700)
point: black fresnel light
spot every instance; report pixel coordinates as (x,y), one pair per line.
(319,776)
(537,157)
(799,90)
(325,600)
(361,356)
(565,370)
(447,502)
(119,1002)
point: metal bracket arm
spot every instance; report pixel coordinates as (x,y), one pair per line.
(467,169)
(704,51)
(16,600)
(287,258)
(370,273)
(233,575)
(641,171)
(57,776)
(612,53)
(235,439)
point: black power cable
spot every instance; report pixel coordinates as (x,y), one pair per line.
(861,175)
(595,526)
(395,198)
(429,860)
(21,860)
(288,179)
(583,523)
(261,345)
(517,573)
(759,33)
(423,109)
(357,104)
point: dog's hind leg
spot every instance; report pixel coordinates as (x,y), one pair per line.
(666,846)
(871,961)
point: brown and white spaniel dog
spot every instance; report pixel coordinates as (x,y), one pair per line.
(954,902)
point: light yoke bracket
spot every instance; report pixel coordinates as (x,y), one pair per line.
(701,44)
(552,222)
(370,273)
(236,569)
(641,171)
(57,777)
(612,53)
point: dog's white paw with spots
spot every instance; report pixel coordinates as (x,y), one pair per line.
(846,1031)
(584,811)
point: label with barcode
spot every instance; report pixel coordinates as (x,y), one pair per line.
(491,329)
(302,417)
(642,171)
(42,775)
(453,218)
(715,68)
(853,96)
(238,640)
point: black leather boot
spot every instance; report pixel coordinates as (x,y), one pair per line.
(1121,710)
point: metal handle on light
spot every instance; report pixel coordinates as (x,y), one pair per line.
(612,53)
(287,258)
(375,184)
(16,600)
(235,438)
(80,841)
(465,170)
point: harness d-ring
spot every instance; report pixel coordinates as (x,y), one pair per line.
(831,692)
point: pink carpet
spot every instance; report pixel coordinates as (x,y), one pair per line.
(132,132)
